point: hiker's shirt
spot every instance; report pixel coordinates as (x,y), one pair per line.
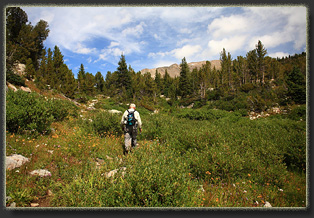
(136,116)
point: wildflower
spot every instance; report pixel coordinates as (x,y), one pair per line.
(208,173)
(249,174)
(233,185)
(217,199)
(280,190)
(244,191)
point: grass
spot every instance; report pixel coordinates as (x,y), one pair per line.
(223,161)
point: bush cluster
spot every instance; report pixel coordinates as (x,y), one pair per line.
(31,111)
(230,146)
(160,179)
(204,114)
(27,111)
(14,78)
(102,123)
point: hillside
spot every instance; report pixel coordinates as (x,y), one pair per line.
(174,69)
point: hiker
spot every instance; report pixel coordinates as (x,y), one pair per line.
(130,121)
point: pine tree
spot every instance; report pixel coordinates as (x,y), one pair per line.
(203,78)
(81,79)
(41,32)
(261,52)
(251,57)
(41,73)
(50,75)
(70,85)
(296,86)
(89,84)
(229,65)
(167,81)
(158,82)
(184,82)
(23,41)
(58,65)
(99,82)
(124,77)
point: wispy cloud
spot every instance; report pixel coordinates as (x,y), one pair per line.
(149,36)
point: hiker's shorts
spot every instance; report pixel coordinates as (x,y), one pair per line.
(130,138)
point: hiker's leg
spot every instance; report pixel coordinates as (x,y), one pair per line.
(134,135)
(127,141)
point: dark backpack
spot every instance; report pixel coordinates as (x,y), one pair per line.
(131,118)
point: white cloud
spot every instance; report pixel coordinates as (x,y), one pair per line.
(157,37)
(167,34)
(278,54)
(231,44)
(224,26)
(80,49)
(113,44)
(186,51)
(162,63)
(135,31)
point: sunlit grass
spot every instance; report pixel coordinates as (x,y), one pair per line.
(238,163)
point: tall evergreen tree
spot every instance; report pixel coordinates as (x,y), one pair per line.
(50,75)
(89,84)
(158,82)
(58,67)
(167,81)
(203,78)
(261,52)
(224,67)
(184,82)
(252,62)
(70,85)
(99,82)
(124,77)
(29,68)
(296,86)
(23,41)
(41,73)
(81,76)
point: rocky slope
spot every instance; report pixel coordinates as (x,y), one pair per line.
(174,69)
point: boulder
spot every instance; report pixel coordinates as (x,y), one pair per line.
(113,111)
(19,69)
(191,105)
(90,108)
(26,89)
(10,86)
(267,204)
(40,172)
(113,172)
(15,160)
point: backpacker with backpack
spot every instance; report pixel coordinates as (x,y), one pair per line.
(131,121)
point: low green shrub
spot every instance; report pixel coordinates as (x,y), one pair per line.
(298,113)
(59,108)
(204,114)
(27,111)
(102,123)
(14,78)
(160,179)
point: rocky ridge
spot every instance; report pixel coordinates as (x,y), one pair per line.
(174,69)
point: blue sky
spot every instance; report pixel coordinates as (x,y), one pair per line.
(152,37)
